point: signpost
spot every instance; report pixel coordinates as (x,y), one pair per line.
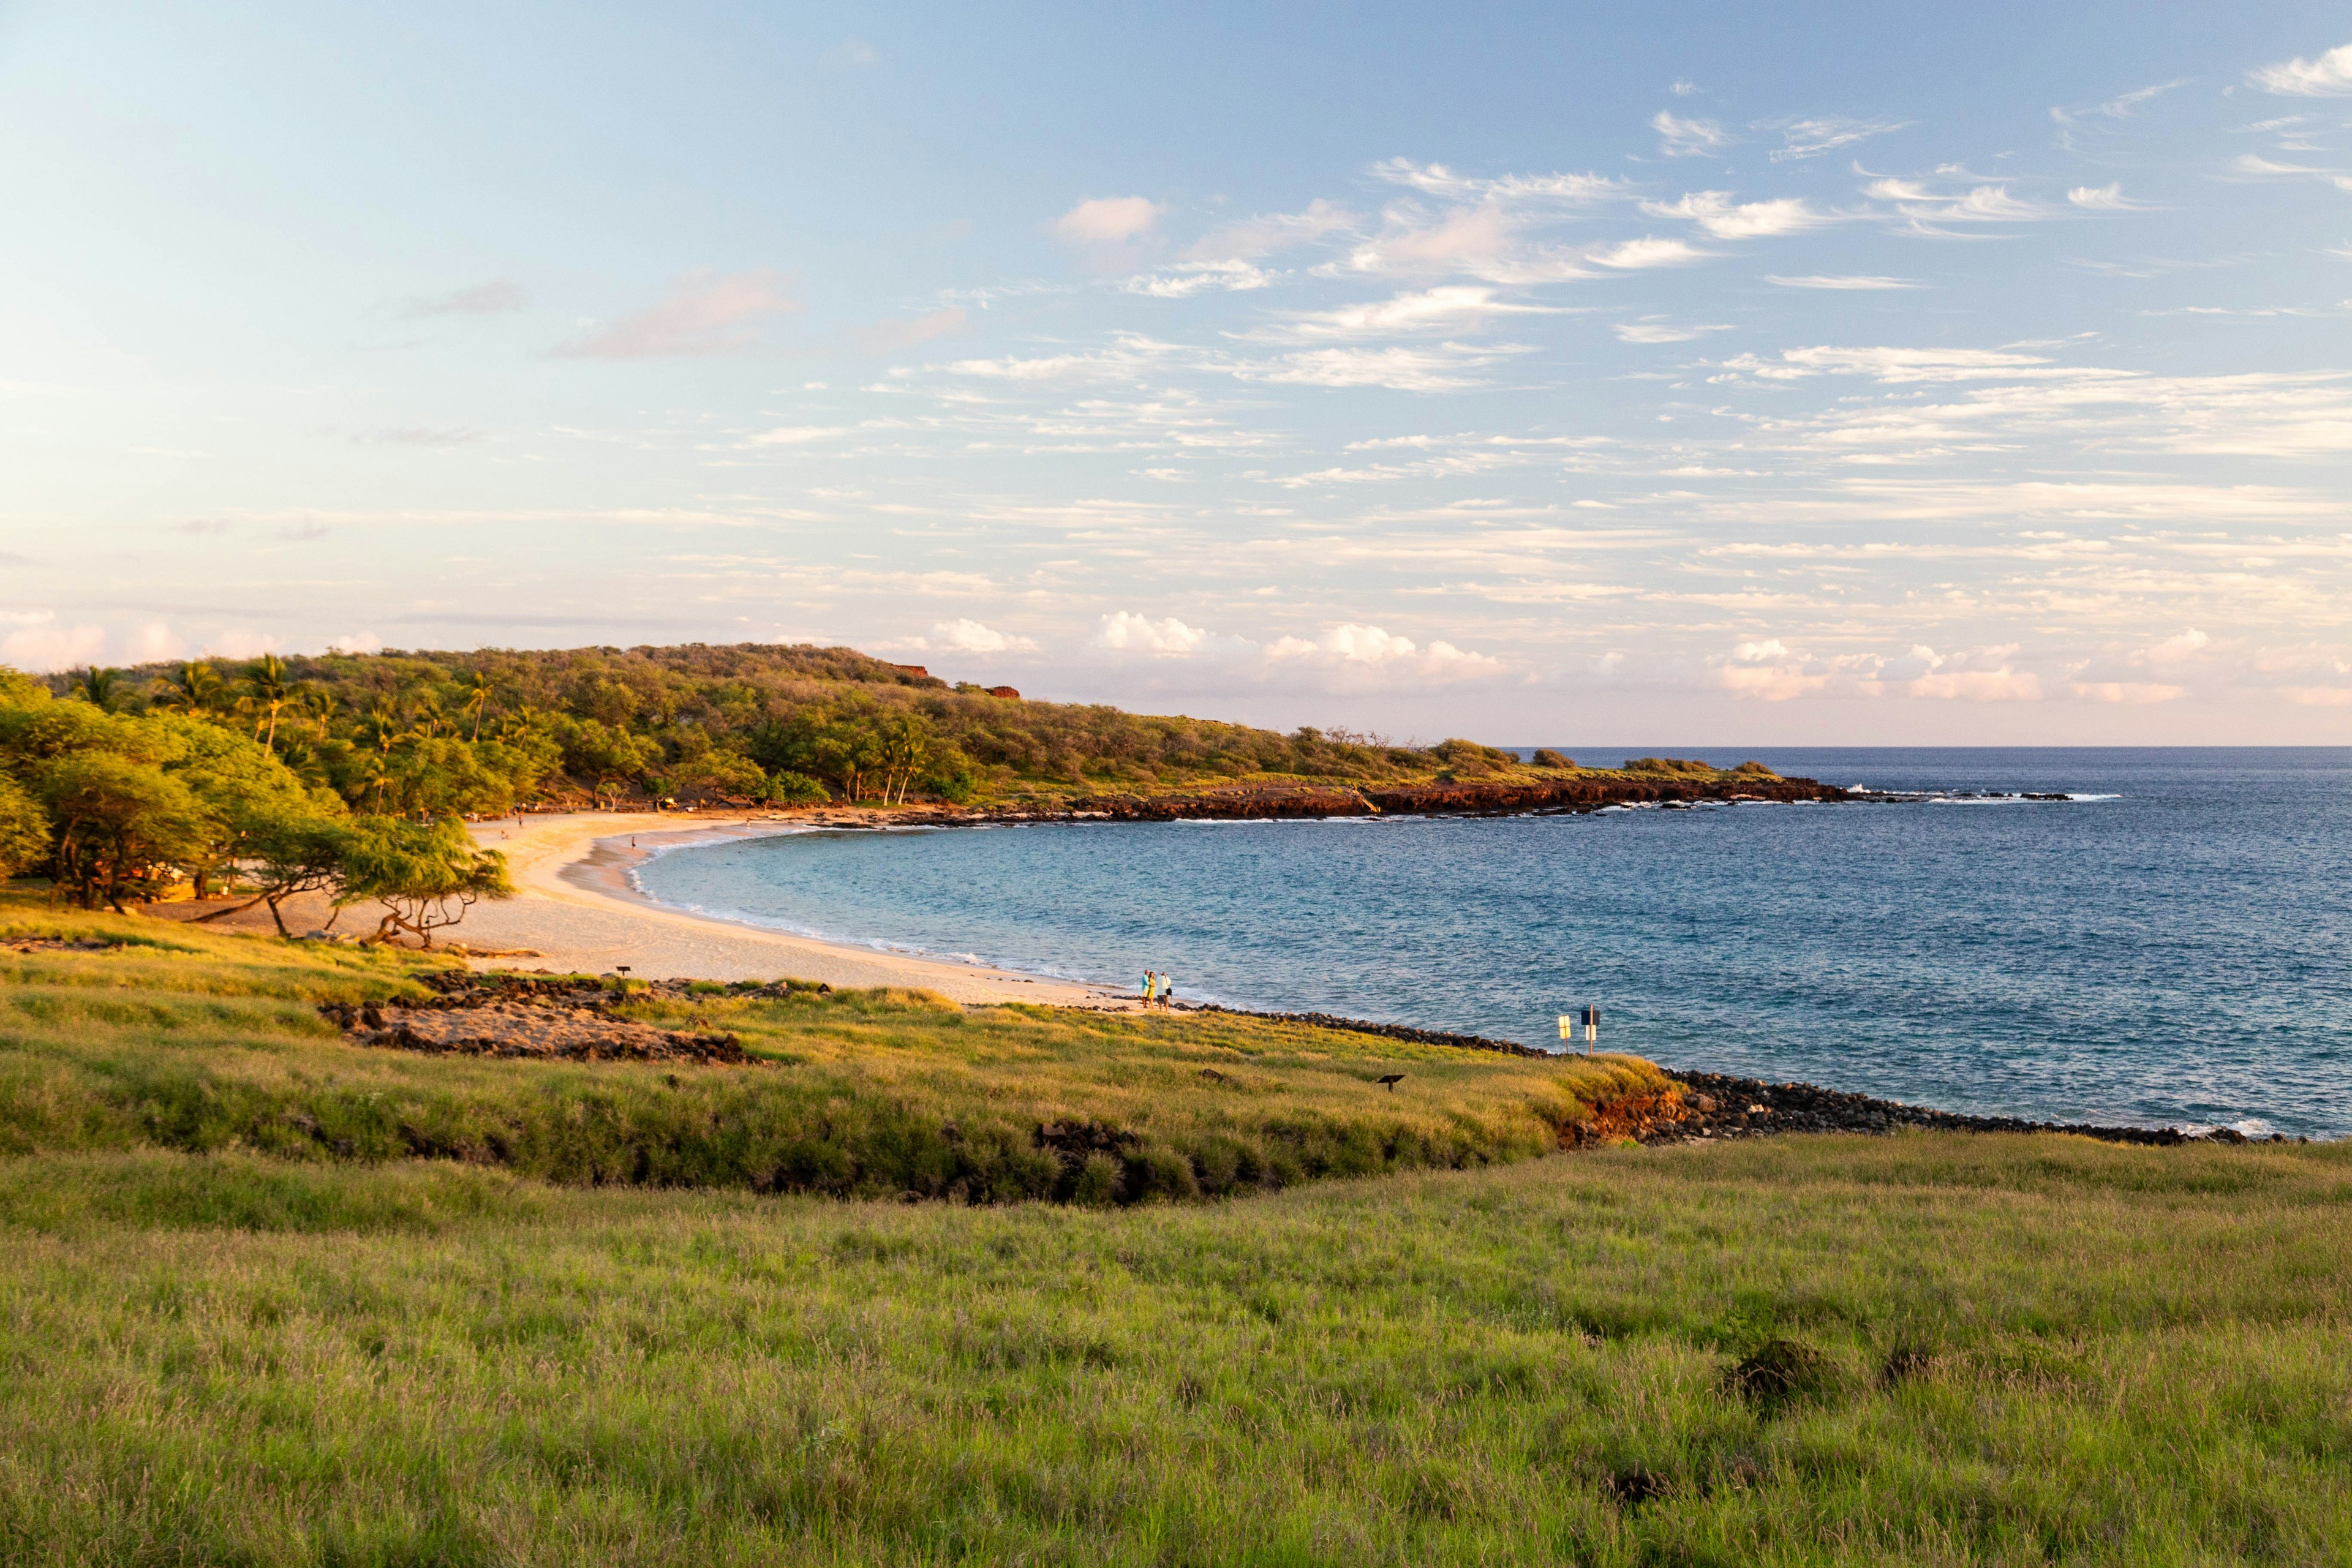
(1587,1017)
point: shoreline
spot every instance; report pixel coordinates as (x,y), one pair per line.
(576,910)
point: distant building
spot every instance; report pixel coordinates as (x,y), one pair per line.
(1005,691)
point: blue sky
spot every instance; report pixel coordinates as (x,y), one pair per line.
(1811,373)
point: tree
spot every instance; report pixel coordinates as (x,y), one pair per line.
(266,694)
(24,828)
(102,688)
(424,876)
(477,692)
(195,689)
(721,774)
(785,787)
(117,821)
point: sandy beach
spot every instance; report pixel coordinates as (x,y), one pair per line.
(575,911)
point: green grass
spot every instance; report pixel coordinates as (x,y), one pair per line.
(204,1043)
(2021,1350)
(268,1298)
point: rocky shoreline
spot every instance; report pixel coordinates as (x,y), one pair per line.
(1571,795)
(1708,1106)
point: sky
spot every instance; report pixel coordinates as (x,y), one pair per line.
(1812,374)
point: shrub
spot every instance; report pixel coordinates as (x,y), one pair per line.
(1545,757)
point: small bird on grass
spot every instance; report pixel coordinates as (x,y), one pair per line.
(1391,1080)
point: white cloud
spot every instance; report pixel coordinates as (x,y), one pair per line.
(1129,356)
(2131,691)
(706,313)
(356,642)
(1452,307)
(492,299)
(1270,233)
(1634,255)
(1928,208)
(1443,369)
(1437,180)
(1130,632)
(1680,138)
(798,435)
(40,645)
(1655,332)
(964,634)
(853,54)
(238,643)
(1839,280)
(2329,76)
(1353,647)
(1715,212)
(151,642)
(1189,278)
(1811,138)
(2105,199)
(1109,220)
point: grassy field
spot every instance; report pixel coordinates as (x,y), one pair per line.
(245,1319)
(188,1040)
(1958,1348)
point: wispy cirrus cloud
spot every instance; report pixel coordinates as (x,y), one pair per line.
(1933,210)
(1450,307)
(1813,137)
(1724,218)
(1681,138)
(705,313)
(1843,281)
(1270,233)
(497,298)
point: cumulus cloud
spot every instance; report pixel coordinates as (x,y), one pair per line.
(492,299)
(1352,646)
(1826,133)
(1680,138)
(1717,212)
(40,643)
(1129,632)
(1346,657)
(962,635)
(1109,220)
(706,313)
(2328,76)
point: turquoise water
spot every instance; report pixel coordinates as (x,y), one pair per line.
(2169,947)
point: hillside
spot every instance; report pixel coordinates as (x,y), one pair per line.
(487,729)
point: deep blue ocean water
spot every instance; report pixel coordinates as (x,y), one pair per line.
(2174,950)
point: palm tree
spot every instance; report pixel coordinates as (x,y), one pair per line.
(197,690)
(477,693)
(102,688)
(267,692)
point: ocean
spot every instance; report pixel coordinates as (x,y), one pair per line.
(2171,944)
